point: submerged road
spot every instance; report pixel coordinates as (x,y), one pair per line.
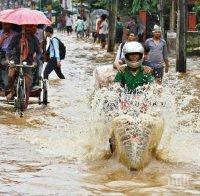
(62,149)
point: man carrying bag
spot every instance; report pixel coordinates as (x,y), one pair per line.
(54,62)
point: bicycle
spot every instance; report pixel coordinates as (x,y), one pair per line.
(19,101)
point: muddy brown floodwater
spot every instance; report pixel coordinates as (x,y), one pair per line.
(62,149)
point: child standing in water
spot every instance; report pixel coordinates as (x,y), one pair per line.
(79,27)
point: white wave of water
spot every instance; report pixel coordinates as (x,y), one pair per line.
(180,141)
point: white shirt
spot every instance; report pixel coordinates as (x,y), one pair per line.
(69,21)
(103,28)
(119,51)
(54,48)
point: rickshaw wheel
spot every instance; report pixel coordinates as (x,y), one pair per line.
(45,93)
(19,101)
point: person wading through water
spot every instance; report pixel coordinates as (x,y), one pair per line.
(158,54)
(54,62)
(102,30)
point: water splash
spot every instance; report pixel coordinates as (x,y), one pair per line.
(173,101)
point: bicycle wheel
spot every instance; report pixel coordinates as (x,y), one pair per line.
(20,96)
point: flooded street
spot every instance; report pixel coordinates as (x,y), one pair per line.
(63,149)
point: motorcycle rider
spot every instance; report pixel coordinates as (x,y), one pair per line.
(133,74)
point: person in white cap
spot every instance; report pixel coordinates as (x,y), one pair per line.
(158,54)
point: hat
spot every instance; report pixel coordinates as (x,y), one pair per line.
(157,28)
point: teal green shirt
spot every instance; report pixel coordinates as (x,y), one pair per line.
(133,80)
(119,25)
(79,25)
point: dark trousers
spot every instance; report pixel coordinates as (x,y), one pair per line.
(3,74)
(52,65)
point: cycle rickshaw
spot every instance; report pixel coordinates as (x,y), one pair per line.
(24,16)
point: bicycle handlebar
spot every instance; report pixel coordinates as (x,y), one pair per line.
(29,66)
(24,64)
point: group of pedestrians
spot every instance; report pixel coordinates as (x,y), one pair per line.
(65,23)
(101,31)
(129,60)
(151,55)
(82,27)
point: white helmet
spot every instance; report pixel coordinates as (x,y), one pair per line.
(133,47)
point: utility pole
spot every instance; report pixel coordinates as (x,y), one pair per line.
(8,4)
(172,20)
(161,17)
(40,5)
(113,4)
(181,40)
(64,4)
(22,3)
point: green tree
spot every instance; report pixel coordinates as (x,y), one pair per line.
(150,5)
(57,7)
(42,3)
(125,7)
(99,4)
(197,10)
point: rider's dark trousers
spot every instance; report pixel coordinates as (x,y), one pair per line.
(3,74)
(52,65)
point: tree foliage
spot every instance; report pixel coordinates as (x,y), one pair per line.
(99,3)
(197,10)
(126,7)
(150,5)
(57,7)
(94,4)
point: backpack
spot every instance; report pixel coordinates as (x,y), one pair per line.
(121,48)
(62,49)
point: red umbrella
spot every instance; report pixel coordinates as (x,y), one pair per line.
(24,16)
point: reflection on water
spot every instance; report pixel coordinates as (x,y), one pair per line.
(63,148)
